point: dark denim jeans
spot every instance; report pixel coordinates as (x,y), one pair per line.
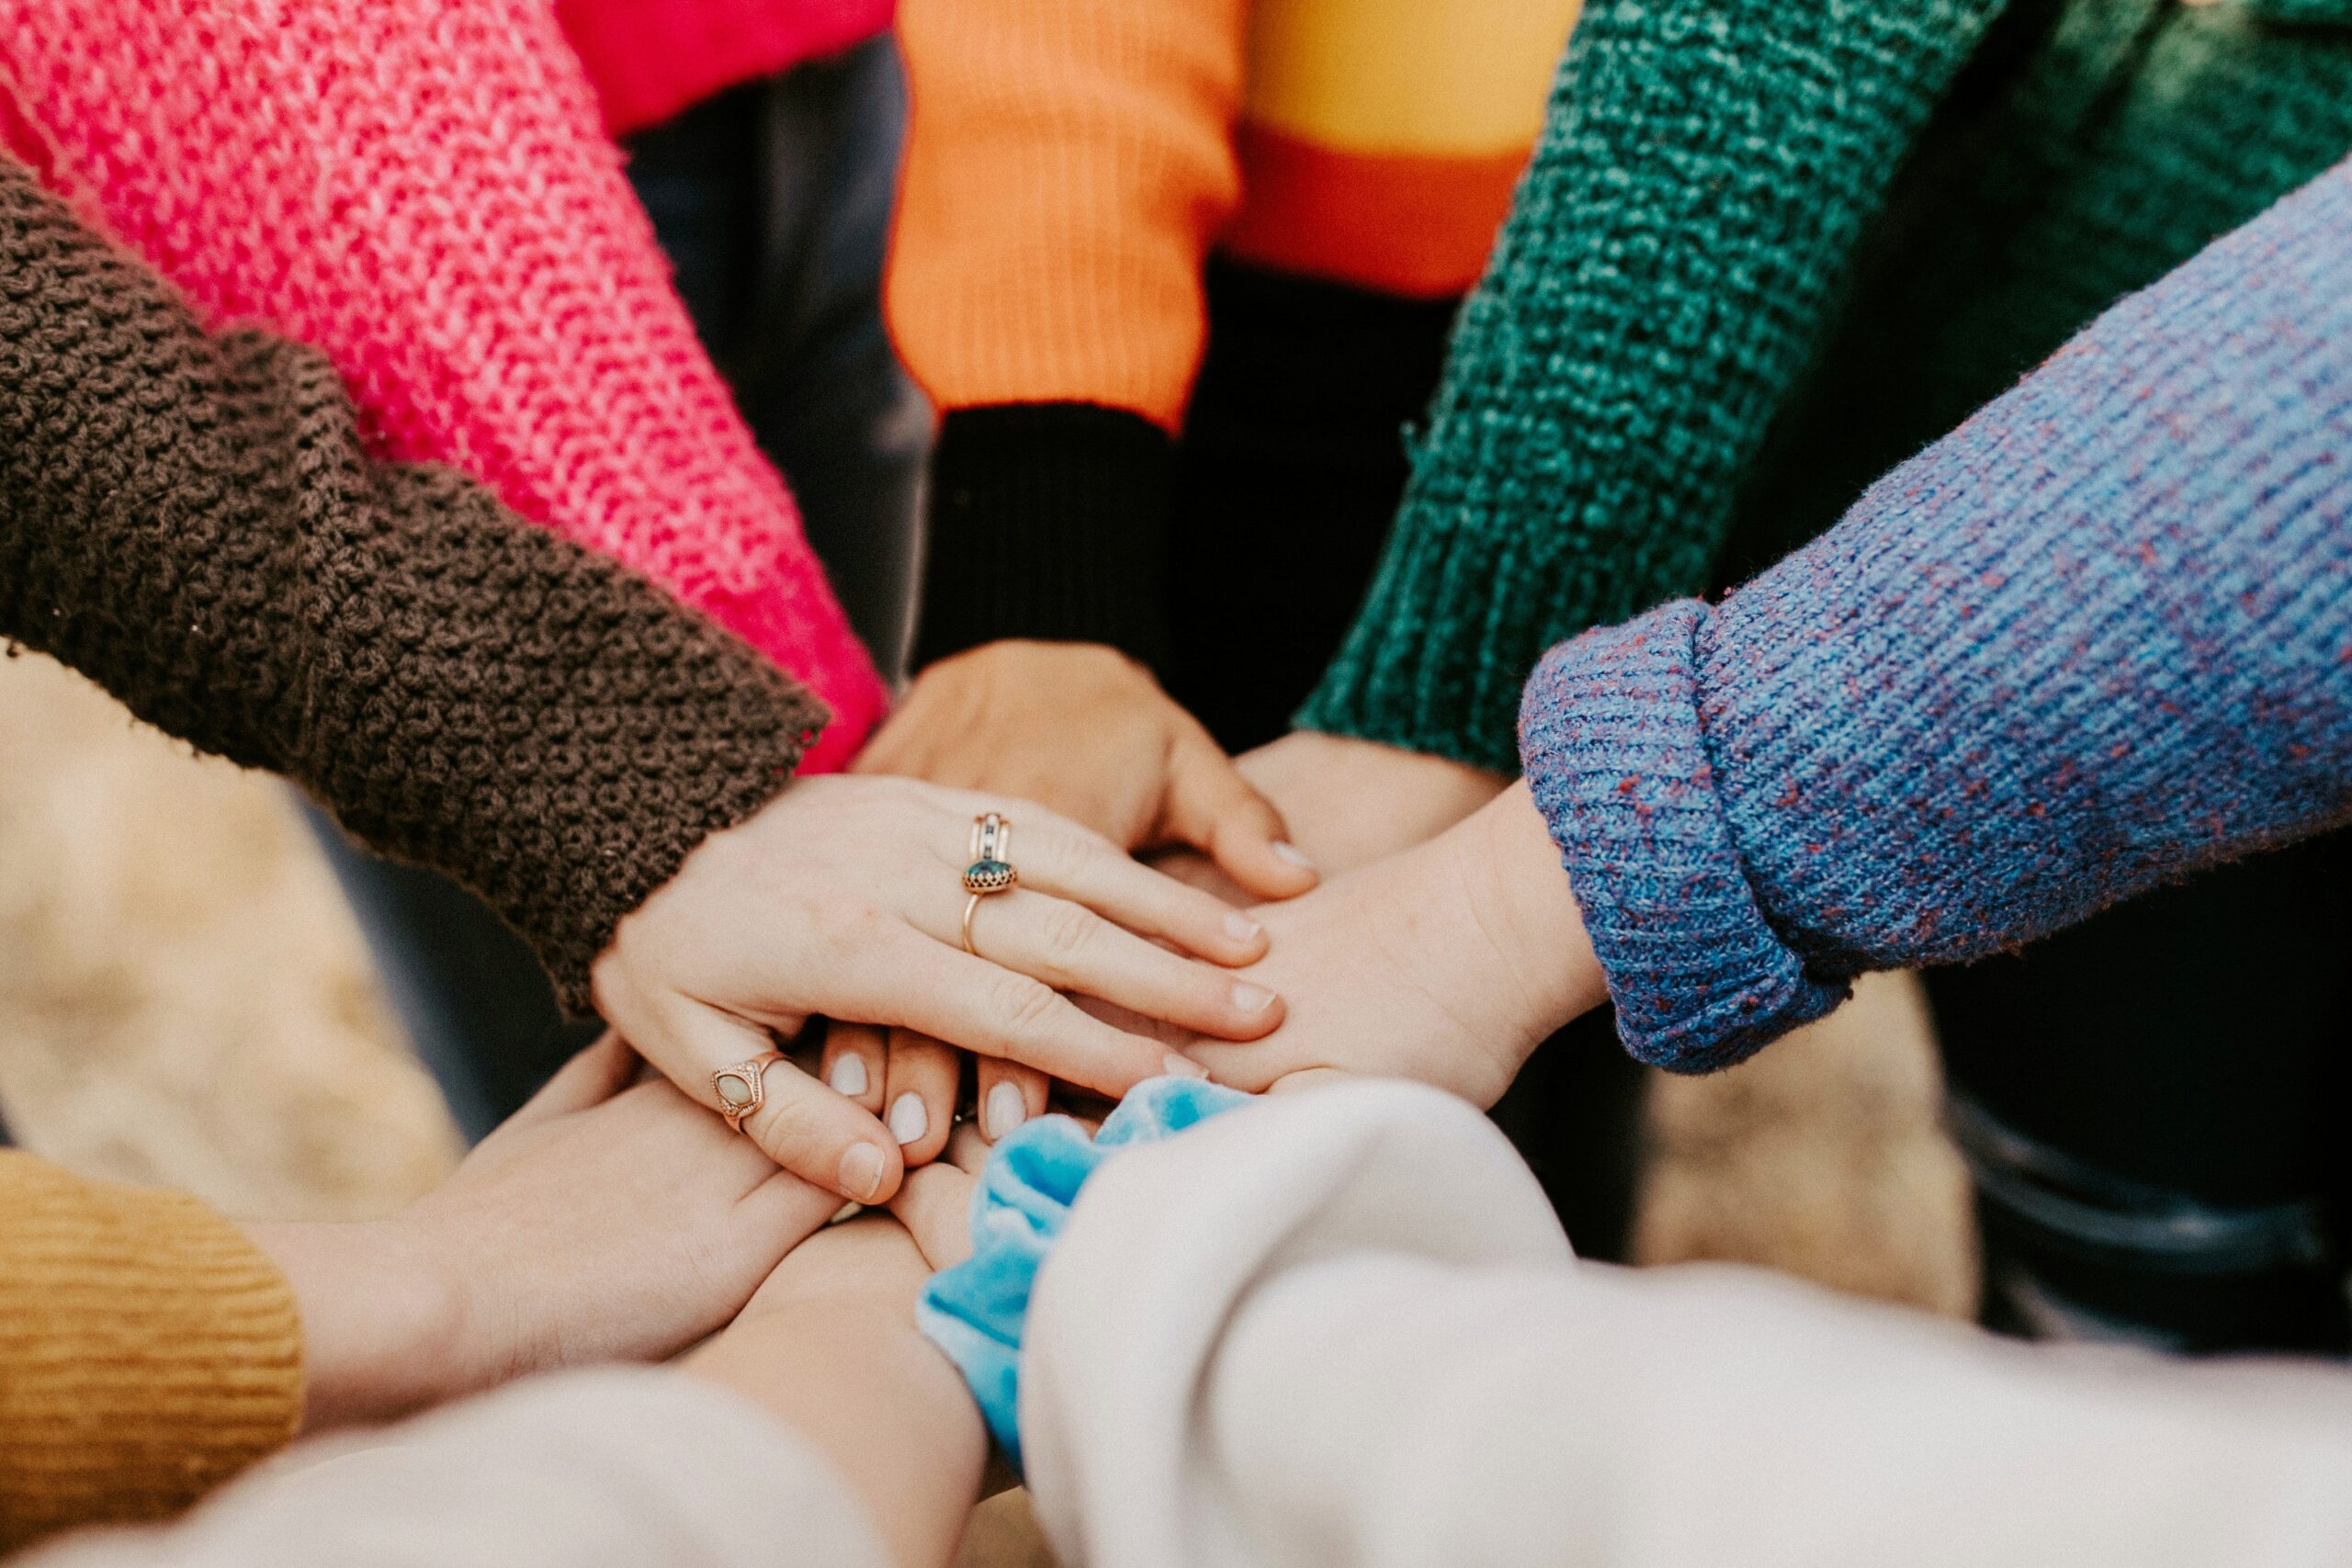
(773,203)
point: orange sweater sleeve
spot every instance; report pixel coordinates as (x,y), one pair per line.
(148,1351)
(1068,164)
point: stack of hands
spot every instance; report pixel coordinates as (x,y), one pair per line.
(1321,905)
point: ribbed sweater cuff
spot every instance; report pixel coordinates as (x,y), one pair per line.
(1612,741)
(1425,668)
(147,1352)
(1048,522)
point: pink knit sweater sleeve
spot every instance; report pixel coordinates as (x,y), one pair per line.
(423,190)
(651,58)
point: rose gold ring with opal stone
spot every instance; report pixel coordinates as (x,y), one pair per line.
(739,1089)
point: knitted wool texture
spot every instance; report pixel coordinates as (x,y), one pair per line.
(192,523)
(423,190)
(1711,180)
(651,58)
(2096,639)
(2133,134)
(147,1352)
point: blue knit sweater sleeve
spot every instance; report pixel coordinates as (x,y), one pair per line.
(2097,638)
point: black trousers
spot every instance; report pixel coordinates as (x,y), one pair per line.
(2154,1105)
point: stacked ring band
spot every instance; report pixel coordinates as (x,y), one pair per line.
(991,871)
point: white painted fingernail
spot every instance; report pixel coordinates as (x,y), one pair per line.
(1241,927)
(862,1170)
(848,1076)
(909,1119)
(1293,854)
(1005,1111)
(1247,998)
(1182,1066)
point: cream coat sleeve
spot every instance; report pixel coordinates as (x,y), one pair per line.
(628,1467)
(1343,1330)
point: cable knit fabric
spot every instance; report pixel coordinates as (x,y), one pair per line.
(651,58)
(192,523)
(978,1312)
(148,1351)
(423,190)
(1765,252)
(2097,639)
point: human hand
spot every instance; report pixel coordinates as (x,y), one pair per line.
(603,1222)
(829,1346)
(1086,731)
(1350,802)
(1448,963)
(844,896)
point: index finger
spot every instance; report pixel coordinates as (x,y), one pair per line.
(996,1012)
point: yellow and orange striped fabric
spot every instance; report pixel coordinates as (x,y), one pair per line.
(1071,163)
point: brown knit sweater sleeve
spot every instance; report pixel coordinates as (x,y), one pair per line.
(147,1351)
(192,523)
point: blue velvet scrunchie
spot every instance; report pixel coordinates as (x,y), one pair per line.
(977,1310)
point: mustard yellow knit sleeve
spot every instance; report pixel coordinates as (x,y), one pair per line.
(148,1351)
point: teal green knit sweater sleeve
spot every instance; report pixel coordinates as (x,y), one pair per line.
(1672,258)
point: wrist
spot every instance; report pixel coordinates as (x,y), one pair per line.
(1531,912)
(851,1375)
(382,1319)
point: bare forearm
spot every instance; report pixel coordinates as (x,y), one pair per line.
(853,1377)
(381,1330)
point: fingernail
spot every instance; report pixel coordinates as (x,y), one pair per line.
(1293,854)
(1247,998)
(862,1170)
(1005,1111)
(1241,927)
(848,1076)
(1181,1066)
(909,1119)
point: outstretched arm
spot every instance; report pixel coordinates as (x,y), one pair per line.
(1342,1329)
(422,190)
(1668,268)
(191,521)
(2096,639)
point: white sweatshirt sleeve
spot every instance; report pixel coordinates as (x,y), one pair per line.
(1343,1330)
(610,1469)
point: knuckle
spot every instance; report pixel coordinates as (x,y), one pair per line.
(1067,931)
(1024,1004)
(1062,855)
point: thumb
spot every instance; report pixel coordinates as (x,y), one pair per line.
(599,1072)
(1211,808)
(935,1205)
(1312,1078)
